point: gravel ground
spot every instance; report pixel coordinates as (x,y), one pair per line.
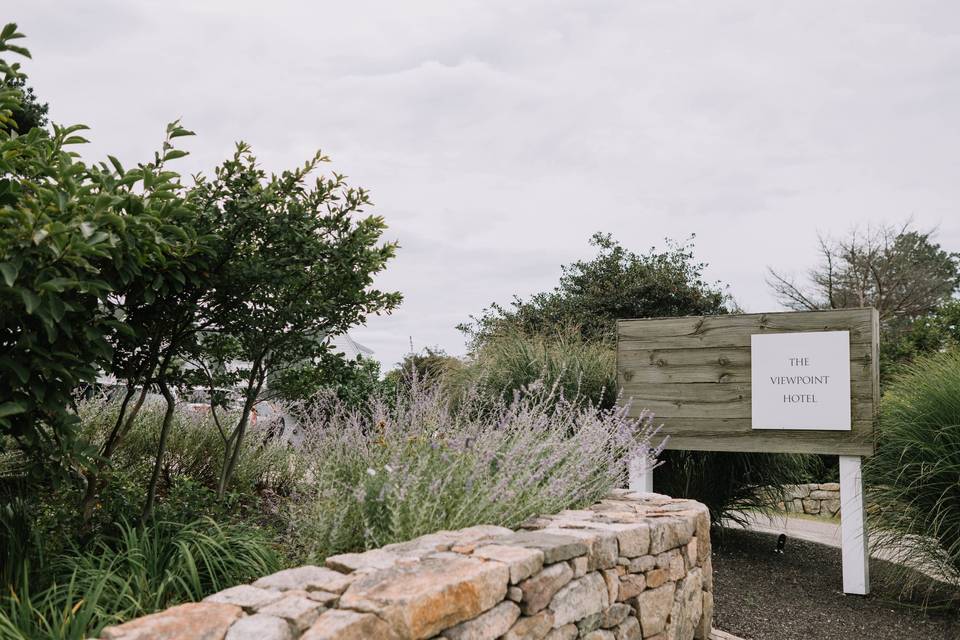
(762,595)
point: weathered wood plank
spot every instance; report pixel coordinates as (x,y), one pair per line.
(819,442)
(714,426)
(715,392)
(735,330)
(693,373)
(711,364)
(719,408)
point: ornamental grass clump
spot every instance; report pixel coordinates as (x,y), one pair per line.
(412,464)
(582,370)
(145,569)
(913,480)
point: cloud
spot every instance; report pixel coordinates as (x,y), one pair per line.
(497,136)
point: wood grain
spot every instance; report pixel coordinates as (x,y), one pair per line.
(693,373)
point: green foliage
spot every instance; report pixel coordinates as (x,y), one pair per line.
(352,380)
(73,239)
(913,480)
(934,332)
(581,370)
(67,584)
(731,483)
(18,541)
(141,571)
(617,283)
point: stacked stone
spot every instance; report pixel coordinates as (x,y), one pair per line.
(634,566)
(813,499)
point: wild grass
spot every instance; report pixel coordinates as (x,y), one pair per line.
(913,480)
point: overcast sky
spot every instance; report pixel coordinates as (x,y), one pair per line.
(497,136)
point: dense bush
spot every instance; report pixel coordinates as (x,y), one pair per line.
(412,464)
(913,480)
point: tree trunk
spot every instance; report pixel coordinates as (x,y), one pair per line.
(161,449)
(94,478)
(92,475)
(235,442)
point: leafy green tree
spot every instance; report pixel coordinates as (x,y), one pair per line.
(898,270)
(73,239)
(295,264)
(617,283)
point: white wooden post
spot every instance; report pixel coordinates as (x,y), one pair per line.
(641,474)
(855,553)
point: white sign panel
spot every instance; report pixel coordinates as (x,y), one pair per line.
(801,380)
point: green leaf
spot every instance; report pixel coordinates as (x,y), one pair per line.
(116,164)
(30,300)
(57,308)
(9,272)
(21,50)
(57,284)
(18,369)
(12,409)
(173,154)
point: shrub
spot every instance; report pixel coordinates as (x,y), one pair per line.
(410,465)
(913,480)
(583,371)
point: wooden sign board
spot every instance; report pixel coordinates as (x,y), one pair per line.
(695,375)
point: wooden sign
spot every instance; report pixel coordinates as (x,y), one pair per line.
(697,375)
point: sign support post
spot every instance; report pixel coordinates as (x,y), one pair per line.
(854,547)
(641,474)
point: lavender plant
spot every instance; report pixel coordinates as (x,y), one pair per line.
(412,464)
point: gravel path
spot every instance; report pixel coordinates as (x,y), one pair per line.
(761,595)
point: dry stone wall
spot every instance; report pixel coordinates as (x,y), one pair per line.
(635,566)
(813,499)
